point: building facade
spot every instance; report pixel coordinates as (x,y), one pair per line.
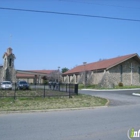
(107,73)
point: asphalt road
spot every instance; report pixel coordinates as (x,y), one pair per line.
(116,97)
(106,123)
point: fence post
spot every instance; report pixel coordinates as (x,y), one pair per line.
(35,86)
(69,91)
(59,86)
(15,91)
(66,87)
(76,89)
(44,90)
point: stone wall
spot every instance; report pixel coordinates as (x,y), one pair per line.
(81,78)
(126,73)
(106,81)
(97,77)
(8,75)
(1,74)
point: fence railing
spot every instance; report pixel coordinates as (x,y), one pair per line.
(44,90)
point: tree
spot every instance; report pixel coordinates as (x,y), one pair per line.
(64,70)
(53,76)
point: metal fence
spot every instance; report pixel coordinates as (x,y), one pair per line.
(35,90)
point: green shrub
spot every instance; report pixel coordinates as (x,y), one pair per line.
(120,84)
(45,82)
(88,86)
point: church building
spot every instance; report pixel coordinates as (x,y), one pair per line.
(107,73)
(8,72)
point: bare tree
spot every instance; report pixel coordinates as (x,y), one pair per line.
(55,76)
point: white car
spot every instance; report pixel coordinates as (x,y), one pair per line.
(6,85)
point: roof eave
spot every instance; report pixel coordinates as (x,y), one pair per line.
(122,61)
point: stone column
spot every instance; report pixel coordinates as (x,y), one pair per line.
(74,78)
(67,79)
(39,79)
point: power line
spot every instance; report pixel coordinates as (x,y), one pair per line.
(70,14)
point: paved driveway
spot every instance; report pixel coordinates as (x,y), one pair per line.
(116,97)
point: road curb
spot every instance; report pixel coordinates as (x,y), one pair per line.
(110,89)
(51,110)
(108,101)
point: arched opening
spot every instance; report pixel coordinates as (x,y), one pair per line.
(10,62)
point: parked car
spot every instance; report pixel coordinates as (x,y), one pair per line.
(22,85)
(6,85)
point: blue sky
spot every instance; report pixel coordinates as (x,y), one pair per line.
(46,41)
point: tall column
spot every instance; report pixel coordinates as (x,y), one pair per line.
(74,78)
(67,79)
(39,79)
(84,63)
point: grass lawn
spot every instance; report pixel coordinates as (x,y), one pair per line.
(40,103)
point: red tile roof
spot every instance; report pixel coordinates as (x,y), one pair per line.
(22,75)
(104,64)
(42,71)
